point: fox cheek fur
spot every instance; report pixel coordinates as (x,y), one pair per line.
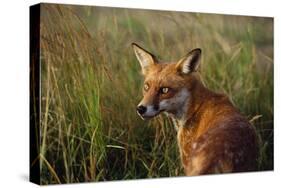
(178,104)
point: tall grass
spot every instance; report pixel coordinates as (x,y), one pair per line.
(91,84)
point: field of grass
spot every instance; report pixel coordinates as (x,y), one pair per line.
(91,84)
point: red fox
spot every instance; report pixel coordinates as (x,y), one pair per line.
(212,135)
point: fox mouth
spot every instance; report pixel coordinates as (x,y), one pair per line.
(148,117)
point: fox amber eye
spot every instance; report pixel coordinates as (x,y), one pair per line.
(164,90)
(145,87)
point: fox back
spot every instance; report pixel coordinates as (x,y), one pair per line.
(213,136)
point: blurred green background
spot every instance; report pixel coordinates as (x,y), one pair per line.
(91,84)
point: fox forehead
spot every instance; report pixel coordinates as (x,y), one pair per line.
(164,75)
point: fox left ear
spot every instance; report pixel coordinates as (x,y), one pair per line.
(190,62)
(146,59)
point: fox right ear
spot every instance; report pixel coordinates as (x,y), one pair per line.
(190,62)
(145,58)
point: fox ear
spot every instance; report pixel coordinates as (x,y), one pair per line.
(190,62)
(145,58)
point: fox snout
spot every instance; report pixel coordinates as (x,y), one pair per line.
(141,109)
(147,111)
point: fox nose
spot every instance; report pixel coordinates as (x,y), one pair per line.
(141,109)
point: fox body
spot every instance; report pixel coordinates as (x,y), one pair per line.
(213,137)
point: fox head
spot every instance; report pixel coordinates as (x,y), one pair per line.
(167,85)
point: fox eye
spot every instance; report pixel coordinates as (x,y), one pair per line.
(146,87)
(164,90)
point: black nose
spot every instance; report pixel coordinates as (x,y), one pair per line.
(141,109)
